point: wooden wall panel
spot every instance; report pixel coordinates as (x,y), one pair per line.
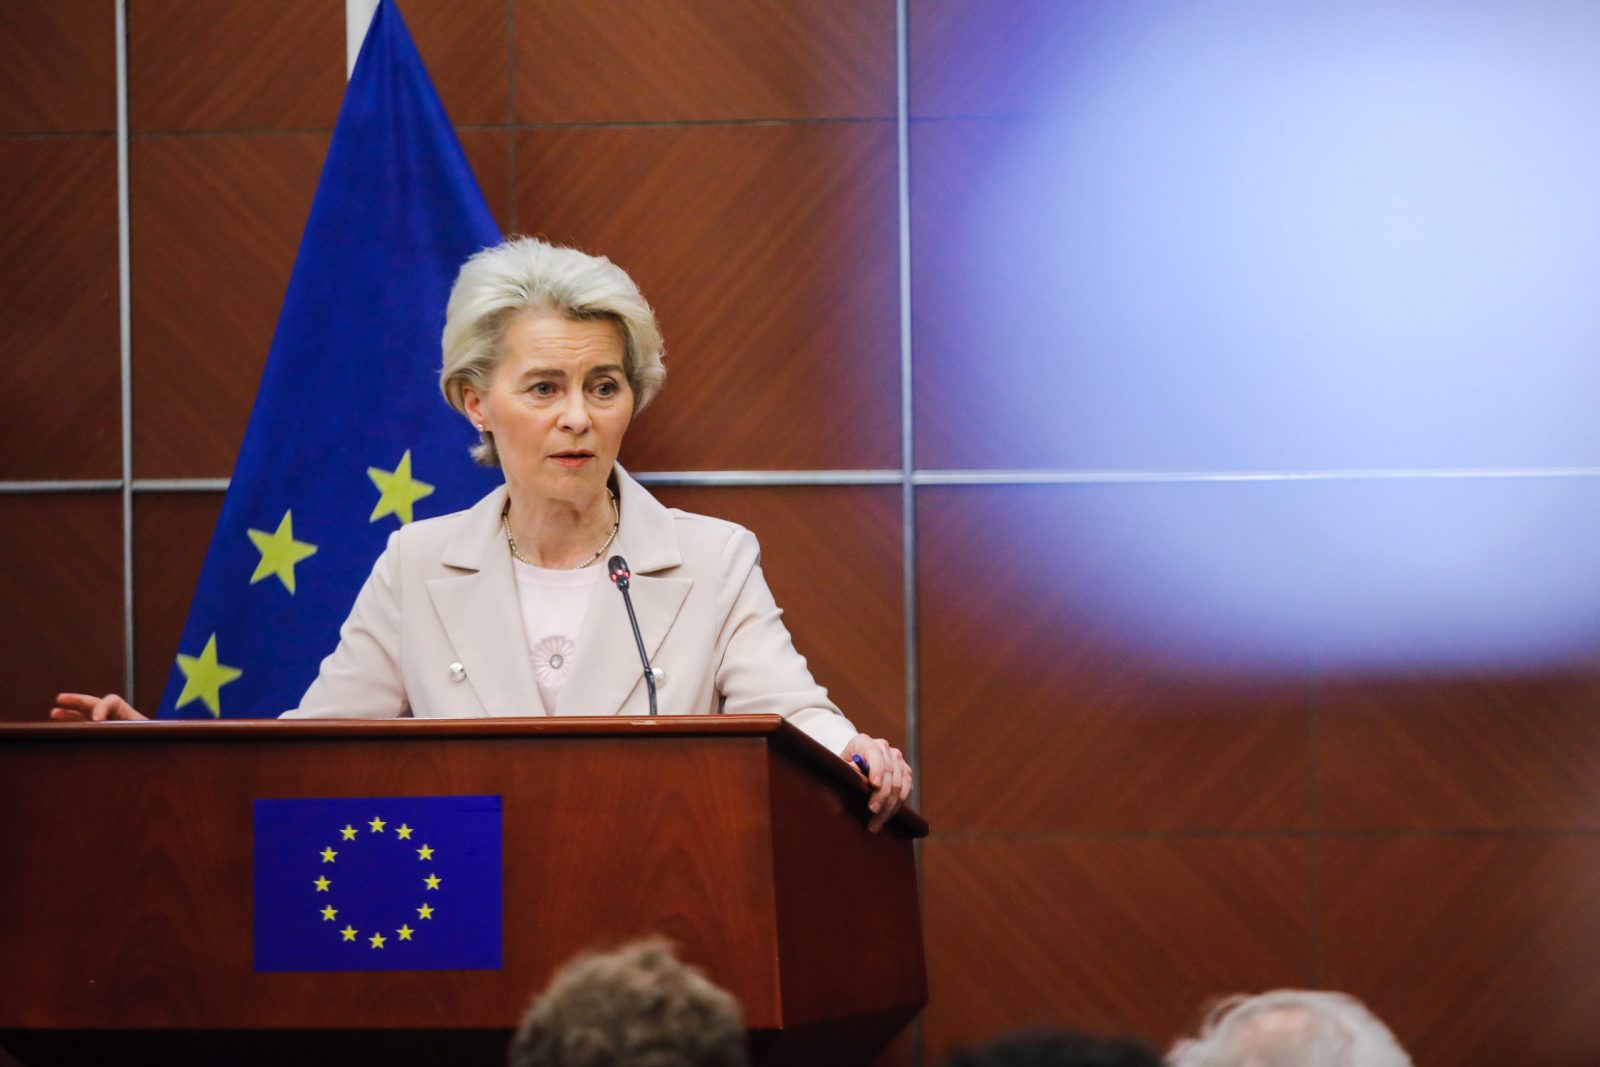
(1477,950)
(58,67)
(769,253)
(171,532)
(1037,715)
(703,60)
(832,556)
(1507,752)
(60,393)
(1107,935)
(465,45)
(216,223)
(192,66)
(62,585)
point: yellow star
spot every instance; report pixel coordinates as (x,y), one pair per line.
(425,852)
(329,913)
(376,825)
(403,832)
(432,881)
(377,940)
(279,552)
(328,854)
(405,932)
(349,933)
(426,911)
(204,677)
(349,832)
(397,490)
(322,885)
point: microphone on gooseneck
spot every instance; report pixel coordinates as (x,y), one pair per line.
(618,569)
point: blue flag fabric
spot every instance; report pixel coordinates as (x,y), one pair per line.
(378,884)
(349,437)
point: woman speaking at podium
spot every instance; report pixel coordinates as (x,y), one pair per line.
(507,607)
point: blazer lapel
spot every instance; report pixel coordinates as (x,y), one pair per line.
(607,672)
(480,614)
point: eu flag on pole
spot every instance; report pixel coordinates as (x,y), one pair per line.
(378,884)
(349,437)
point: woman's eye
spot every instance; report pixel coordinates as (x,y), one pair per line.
(606,388)
(542,389)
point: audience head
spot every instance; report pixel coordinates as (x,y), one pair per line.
(1290,1028)
(1050,1048)
(636,1007)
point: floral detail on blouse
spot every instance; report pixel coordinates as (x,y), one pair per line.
(552,660)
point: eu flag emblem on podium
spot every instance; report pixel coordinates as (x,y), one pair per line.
(378,884)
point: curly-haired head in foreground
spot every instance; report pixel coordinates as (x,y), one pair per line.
(639,1006)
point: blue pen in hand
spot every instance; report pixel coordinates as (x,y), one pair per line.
(862,766)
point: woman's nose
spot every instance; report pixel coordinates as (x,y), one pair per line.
(575,415)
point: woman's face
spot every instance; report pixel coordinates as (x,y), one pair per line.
(558,406)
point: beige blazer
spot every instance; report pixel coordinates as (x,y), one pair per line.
(437,628)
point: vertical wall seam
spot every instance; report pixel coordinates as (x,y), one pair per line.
(908,484)
(511,117)
(124,324)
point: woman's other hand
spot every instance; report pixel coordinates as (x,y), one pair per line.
(82,707)
(890,776)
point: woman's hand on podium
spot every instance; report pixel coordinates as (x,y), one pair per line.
(890,776)
(82,707)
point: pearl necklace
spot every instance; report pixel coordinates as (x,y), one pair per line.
(616,522)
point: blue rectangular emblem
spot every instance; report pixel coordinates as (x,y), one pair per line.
(378,884)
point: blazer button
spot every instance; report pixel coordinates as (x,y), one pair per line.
(458,673)
(661,676)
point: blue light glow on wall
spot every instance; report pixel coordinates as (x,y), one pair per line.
(1284,237)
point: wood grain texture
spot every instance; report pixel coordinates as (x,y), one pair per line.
(60,379)
(278,66)
(216,223)
(1042,711)
(769,253)
(465,46)
(832,558)
(703,60)
(58,67)
(1502,752)
(63,581)
(1119,935)
(1476,950)
(171,533)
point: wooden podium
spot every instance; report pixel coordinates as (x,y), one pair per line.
(126,884)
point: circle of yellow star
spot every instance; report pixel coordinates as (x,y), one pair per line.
(377,940)
(425,852)
(376,825)
(403,832)
(279,552)
(432,881)
(426,911)
(322,885)
(349,933)
(397,490)
(329,913)
(204,677)
(349,832)
(405,932)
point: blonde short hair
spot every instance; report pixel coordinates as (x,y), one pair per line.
(636,1007)
(527,274)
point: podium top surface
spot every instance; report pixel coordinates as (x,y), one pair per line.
(779,731)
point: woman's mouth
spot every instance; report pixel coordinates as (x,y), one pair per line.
(572,459)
